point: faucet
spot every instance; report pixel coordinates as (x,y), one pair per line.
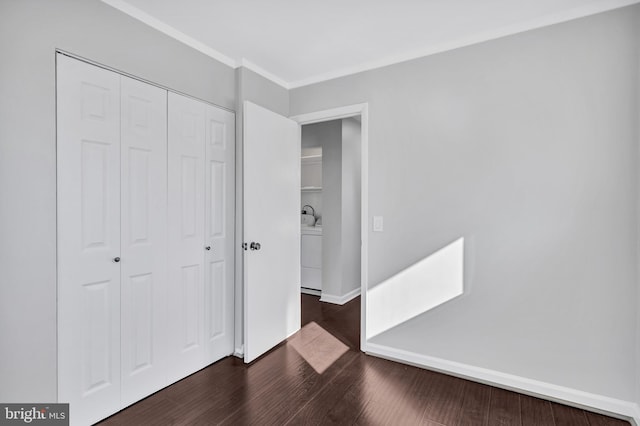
(312,210)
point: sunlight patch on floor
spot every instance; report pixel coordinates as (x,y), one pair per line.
(317,346)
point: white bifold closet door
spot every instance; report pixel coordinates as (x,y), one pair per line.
(112,239)
(145,238)
(201,188)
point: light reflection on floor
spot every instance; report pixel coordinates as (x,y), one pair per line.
(317,346)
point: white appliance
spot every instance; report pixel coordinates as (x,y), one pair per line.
(311,259)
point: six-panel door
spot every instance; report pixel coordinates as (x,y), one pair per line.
(143,172)
(88,108)
(186,235)
(219,231)
(271,189)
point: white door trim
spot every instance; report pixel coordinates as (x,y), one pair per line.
(334,114)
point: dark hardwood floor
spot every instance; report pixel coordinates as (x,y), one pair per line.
(320,377)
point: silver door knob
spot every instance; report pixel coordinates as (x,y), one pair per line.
(254,246)
(116,259)
(207,248)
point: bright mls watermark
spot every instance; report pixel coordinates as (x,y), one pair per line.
(34,414)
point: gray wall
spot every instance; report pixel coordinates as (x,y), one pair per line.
(263,92)
(526,146)
(351,218)
(30,31)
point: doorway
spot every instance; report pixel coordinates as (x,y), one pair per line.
(356,113)
(330,207)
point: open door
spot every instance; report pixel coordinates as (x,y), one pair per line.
(271,229)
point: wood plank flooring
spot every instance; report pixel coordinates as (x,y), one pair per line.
(320,377)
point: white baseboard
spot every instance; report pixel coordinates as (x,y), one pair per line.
(340,300)
(311,291)
(635,420)
(610,406)
(239,352)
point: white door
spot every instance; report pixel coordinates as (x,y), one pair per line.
(186,197)
(219,232)
(88,108)
(271,229)
(143,239)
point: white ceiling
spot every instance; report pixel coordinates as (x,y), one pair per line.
(299,42)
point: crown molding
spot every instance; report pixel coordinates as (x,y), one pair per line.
(264,73)
(548,20)
(552,19)
(155,23)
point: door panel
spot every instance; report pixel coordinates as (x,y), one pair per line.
(186,235)
(88,199)
(144,238)
(217,293)
(96,185)
(97,346)
(142,355)
(220,201)
(216,203)
(271,218)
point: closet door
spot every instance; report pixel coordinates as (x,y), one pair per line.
(144,239)
(219,231)
(186,160)
(88,108)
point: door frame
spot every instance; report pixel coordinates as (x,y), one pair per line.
(347,111)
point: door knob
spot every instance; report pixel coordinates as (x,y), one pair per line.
(207,248)
(254,246)
(116,259)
